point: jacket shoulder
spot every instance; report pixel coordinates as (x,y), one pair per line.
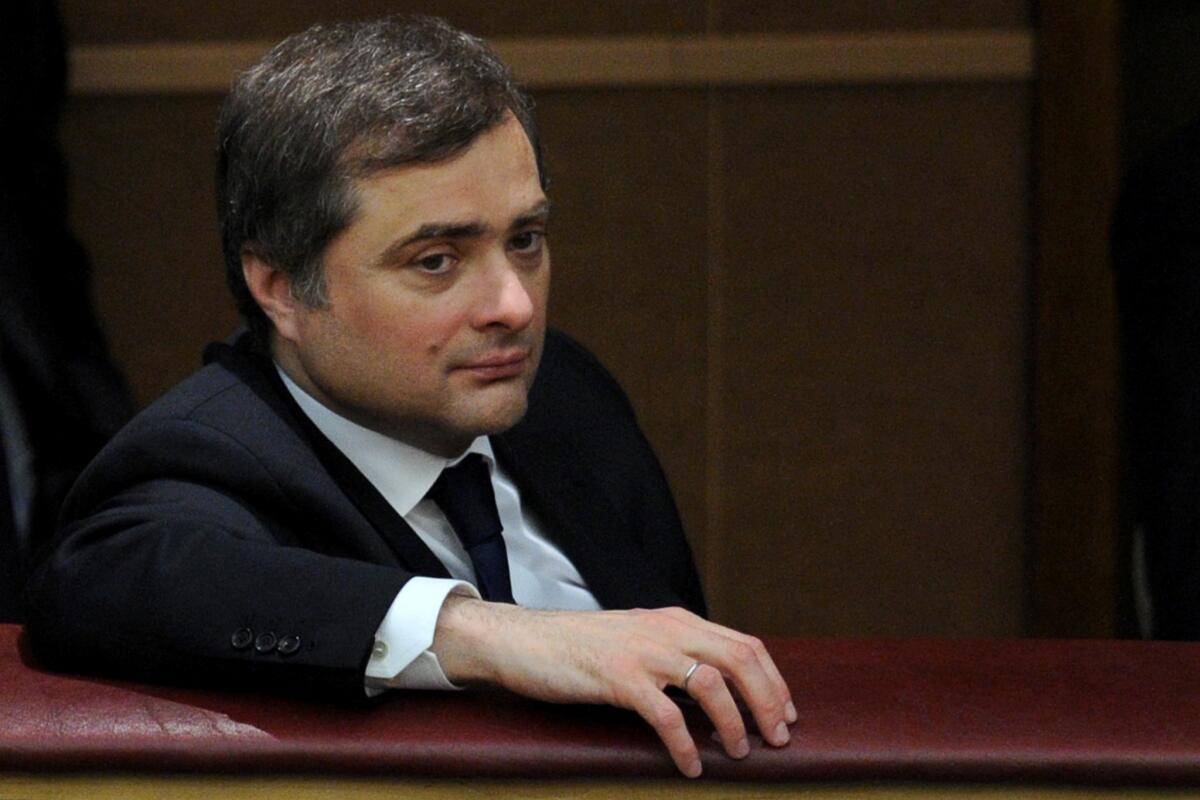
(215,426)
(572,385)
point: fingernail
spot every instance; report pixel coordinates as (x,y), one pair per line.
(693,769)
(781,734)
(741,749)
(789,712)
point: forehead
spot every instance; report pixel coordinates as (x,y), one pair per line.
(495,175)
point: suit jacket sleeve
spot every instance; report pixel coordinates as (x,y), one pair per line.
(186,537)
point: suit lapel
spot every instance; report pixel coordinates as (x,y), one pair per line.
(397,542)
(399,535)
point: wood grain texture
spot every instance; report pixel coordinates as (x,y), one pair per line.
(628,244)
(142,200)
(1073,580)
(757,16)
(844,58)
(121,21)
(875,325)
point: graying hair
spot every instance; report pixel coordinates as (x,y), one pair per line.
(336,103)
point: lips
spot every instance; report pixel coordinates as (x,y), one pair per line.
(498,365)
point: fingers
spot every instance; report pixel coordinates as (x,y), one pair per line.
(774,678)
(667,720)
(781,687)
(707,687)
(764,658)
(745,661)
(623,658)
(742,662)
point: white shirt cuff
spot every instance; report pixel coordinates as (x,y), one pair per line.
(400,658)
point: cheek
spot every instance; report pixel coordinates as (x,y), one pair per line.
(416,332)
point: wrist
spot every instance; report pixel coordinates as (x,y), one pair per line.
(463,639)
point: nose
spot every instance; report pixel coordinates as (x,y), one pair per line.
(505,300)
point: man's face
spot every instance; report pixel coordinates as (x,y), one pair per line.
(437,298)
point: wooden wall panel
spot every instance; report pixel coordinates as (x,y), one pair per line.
(1074,571)
(93,21)
(141,187)
(873,391)
(758,16)
(628,240)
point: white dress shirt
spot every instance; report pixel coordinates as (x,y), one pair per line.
(542,576)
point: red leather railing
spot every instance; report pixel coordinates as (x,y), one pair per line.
(1030,711)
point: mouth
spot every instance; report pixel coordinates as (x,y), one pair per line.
(496,366)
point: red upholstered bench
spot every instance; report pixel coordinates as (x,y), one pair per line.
(912,713)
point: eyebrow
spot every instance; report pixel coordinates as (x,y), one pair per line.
(538,213)
(462,230)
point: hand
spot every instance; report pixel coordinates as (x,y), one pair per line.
(620,658)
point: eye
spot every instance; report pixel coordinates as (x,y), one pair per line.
(528,242)
(435,263)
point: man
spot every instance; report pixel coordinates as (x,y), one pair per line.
(315,508)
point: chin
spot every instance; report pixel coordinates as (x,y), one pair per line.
(501,417)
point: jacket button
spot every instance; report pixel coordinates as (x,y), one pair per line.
(241,638)
(265,642)
(288,644)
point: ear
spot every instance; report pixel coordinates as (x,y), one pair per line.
(272,290)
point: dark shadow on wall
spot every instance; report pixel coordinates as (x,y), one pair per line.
(1156,254)
(60,395)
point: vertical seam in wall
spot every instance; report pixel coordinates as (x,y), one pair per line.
(714,556)
(1029,555)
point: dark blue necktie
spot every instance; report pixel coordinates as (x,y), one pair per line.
(464,494)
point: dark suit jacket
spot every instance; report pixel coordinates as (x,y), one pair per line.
(222,508)
(1156,252)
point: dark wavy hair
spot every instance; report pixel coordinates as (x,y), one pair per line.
(336,103)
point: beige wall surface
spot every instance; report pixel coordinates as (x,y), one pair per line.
(817,295)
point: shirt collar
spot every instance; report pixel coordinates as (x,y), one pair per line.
(403,474)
